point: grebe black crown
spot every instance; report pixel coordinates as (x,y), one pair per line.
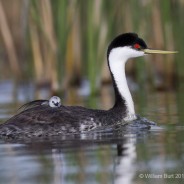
(127,39)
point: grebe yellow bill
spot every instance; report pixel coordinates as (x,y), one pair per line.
(43,118)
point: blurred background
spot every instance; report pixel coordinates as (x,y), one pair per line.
(59,47)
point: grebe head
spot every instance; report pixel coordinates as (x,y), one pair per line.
(129,45)
(126,46)
(123,47)
(54,101)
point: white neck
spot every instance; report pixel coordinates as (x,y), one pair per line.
(117,60)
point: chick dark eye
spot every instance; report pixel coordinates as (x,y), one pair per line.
(137,46)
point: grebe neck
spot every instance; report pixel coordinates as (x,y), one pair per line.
(122,93)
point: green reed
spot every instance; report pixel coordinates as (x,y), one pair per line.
(68,39)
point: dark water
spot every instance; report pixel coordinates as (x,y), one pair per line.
(150,156)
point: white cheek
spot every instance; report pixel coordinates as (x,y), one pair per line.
(131,53)
(137,53)
(124,53)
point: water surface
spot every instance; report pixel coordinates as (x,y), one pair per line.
(149,156)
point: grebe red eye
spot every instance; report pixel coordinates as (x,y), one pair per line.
(137,46)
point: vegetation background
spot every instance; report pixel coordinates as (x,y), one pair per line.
(63,43)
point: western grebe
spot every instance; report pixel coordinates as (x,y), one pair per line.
(42,118)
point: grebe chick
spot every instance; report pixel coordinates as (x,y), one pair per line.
(46,121)
(54,101)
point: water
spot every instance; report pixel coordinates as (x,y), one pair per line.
(154,156)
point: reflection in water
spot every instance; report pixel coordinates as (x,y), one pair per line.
(121,166)
(59,169)
(98,160)
(125,168)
